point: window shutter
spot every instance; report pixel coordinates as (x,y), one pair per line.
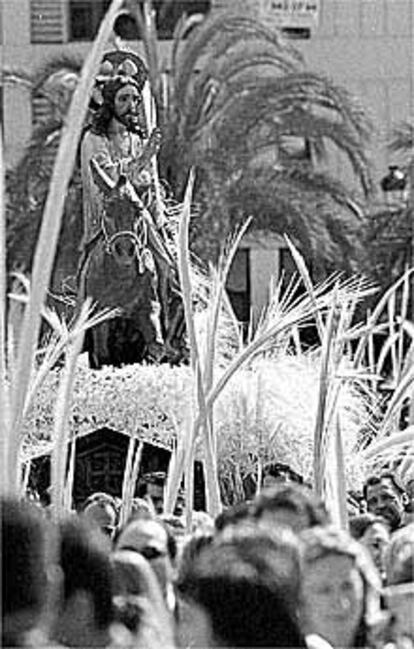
(47,21)
(41,113)
(40,109)
(224,4)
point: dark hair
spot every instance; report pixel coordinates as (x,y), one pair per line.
(295,498)
(190,553)
(24,532)
(248,589)
(233,515)
(277,469)
(154,478)
(102,498)
(358,525)
(85,562)
(378,478)
(171,541)
(136,515)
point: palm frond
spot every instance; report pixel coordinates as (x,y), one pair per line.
(304,273)
(402,138)
(61,423)
(50,227)
(59,64)
(375,315)
(5,415)
(132,465)
(396,440)
(403,391)
(321,438)
(217,34)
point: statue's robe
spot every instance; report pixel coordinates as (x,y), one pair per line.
(112,152)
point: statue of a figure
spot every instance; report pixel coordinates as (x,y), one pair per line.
(115,137)
(115,153)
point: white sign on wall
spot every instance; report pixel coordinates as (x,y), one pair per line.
(291,13)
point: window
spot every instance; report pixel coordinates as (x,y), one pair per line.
(238,286)
(297,33)
(167,15)
(46,21)
(85,17)
(126,27)
(287,266)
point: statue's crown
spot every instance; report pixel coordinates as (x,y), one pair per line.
(118,68)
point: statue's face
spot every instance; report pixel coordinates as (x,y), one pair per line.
(126,104)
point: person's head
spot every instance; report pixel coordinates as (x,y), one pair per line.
(179,507)
(234,515)
(175,526)
(242,590)
(191,550)
(126,102)
(135,588)
(202,523)
(138,601)
(374,534)
(340,587)
(151,488)
(100,510)
(118,93)
(132,574)
(400,556)
(291,506)
(385,496)
(24,568)
(86,610)
(409,489)
(153,541)
(141,508)
(399,593)
(399,600)
(276,473)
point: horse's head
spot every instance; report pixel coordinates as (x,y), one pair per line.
(121,222)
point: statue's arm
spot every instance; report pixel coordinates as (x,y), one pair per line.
(95,147)
(137,167)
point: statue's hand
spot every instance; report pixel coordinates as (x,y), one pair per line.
(142,180)
(150,148)
(155,138)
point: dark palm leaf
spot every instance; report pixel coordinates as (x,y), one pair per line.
(217,35)
(237,91)
(314,208)
(59,64)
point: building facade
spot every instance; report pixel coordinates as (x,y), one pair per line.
(366,45)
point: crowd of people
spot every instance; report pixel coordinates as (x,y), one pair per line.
(271,572)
